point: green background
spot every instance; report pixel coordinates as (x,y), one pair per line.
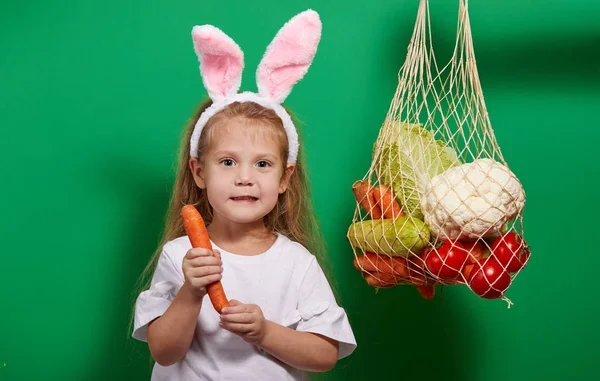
(92,99)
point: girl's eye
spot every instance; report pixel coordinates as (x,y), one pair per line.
(227,162)
(263,164)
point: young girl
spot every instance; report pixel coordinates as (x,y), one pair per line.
(240,166)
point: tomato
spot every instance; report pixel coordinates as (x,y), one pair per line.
(511,251)
(447,261)
(489,280)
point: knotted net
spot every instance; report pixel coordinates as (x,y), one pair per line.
(439,204)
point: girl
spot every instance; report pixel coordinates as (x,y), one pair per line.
(240,167)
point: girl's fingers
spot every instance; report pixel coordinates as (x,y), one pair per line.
(241,318)
(199,272)
(206,280)
(205,261)
(236,327)
(235,307)
(198,252)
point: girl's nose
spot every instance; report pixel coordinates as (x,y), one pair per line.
(244,176)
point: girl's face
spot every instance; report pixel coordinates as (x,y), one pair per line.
(242,172)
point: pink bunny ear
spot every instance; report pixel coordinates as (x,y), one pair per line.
(221,61)
(289,56)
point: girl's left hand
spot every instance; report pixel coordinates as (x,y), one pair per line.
(245,320)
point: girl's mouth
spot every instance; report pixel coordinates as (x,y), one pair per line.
(249,199)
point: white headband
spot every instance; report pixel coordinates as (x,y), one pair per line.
(284,63)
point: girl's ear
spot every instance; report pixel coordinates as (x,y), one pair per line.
(285,180)
(197,172)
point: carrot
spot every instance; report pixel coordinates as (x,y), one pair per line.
(427,291)
(401,267)
(386,201)
(363,193)
(373,281)
(415,269)
(385,277)
(381,263)
(417,279)
(196,230)
(466,271)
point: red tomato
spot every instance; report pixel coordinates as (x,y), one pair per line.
(447,261)
(489,280)
(511,251)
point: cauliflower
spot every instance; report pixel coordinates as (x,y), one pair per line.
(472,200)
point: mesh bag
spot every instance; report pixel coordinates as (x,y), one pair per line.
(439,204)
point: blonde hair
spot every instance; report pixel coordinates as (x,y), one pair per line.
(293,215)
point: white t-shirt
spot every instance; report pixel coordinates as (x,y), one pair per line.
(286,282)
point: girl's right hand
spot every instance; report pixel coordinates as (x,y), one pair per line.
(201,268)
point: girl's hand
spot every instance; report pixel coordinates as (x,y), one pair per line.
(201,268)
(245,320)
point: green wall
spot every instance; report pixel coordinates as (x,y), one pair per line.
(92,98)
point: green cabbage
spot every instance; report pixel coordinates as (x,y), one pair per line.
(409,156)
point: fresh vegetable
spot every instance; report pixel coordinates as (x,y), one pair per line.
(407,159)
(410,273)
(372,280)
(386,201)
(379,279)
(416,277)
(427,291)
(467,271)
(398,237)
(387,278)
(472,200)
(511,251)
(447,261)
(475,250)
(372,262)
(198,235)
(488,279)
(363,193)
(416,269)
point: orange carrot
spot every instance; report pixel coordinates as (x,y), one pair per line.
(385,200)
(427,291)
(385,277)
(415,269)
(382,263)
(373,281)
(401,267)
(363,193)
(417,279)
(466,271)
(196,230)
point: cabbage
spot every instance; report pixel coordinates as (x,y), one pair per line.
(407,160)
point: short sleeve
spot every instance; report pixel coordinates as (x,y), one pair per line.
(152,303)
(318,311)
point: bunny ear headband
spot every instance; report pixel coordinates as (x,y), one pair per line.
(284,63)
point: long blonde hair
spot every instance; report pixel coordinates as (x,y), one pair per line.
(293,215)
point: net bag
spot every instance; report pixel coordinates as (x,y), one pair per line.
(439,204)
